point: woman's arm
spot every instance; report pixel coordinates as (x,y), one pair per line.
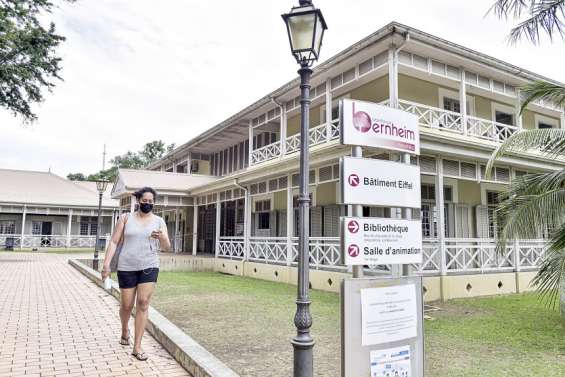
(112,245)
(164,238)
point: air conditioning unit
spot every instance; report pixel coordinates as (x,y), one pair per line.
(194,166)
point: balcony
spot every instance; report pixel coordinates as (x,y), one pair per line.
(429,118)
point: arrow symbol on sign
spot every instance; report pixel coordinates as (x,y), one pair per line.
(353,226)
(353,180)
(353,250)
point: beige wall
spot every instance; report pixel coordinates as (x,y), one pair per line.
(293,123)
(326,194)
(374,91)
(529,121)
(469,192)
(203,167)
(416,90)
(279,200)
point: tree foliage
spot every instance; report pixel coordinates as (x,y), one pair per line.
(28,61)
(541,17)
(149,153)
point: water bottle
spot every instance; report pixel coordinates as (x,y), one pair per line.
(108,283)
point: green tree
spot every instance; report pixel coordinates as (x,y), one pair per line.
(76,177)
(149,153)
(28,62)
(535,18)
(534,205)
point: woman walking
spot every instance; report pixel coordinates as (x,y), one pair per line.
(140,235)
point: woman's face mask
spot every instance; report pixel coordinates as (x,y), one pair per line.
(146,207)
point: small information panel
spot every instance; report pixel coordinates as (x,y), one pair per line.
(373,125)
(379,183)
(382,343)
(371,240)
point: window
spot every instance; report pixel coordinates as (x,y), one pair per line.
(492,202)
(451,104)
(263,221)
(7,227)
(88,226)
(504,118)
(542,125)
(36,228)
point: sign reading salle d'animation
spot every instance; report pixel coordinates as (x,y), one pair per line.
(372,125)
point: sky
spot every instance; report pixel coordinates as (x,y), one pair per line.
(137,71)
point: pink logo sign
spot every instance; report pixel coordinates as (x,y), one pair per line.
(353,226)
(353,180)
(361,120)
(353,250)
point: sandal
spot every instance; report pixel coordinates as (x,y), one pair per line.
(141,356)
(125,341)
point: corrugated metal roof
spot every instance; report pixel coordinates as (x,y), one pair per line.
(130,180)
(34,187)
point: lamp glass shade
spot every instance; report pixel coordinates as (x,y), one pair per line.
(101,185)
(305,27)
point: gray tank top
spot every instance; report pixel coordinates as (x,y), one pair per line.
(139,250)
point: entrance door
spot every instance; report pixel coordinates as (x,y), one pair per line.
(207,229)
(46,229)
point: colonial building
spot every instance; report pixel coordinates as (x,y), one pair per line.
(232,191)
(41,209)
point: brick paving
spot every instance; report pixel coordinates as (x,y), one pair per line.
(55,322)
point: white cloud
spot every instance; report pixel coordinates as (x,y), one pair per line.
(141,70)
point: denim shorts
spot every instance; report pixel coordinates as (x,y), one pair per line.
(130,279)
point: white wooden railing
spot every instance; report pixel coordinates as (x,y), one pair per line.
(316,135)
(461,255)
(266,153)
(54,241)
(433,117)
(489,130)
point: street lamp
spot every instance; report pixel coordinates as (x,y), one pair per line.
(305,26)
(101,186)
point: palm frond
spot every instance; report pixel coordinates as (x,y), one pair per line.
(551,274)
(506,8)
(542,90)
(550,142)
(545,15)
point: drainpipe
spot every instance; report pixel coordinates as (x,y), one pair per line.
(282,129)
(246,219)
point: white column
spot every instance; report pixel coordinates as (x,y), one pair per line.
(250,141)
(517,107)
(328,110)
(462,101)
(393,76)
(189,164)
(174,166)
(23,226)
(194,229)
(289,220)
(69,224)
(246,227)
(113,222)
(132,205)
(284,125)
(176,235)
(440,214)
(218,214)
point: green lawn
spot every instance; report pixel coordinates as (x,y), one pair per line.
(247,323)
(53,250)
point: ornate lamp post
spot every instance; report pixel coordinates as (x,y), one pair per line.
(305,26)
(101,186)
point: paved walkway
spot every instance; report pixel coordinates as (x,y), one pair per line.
(55,322)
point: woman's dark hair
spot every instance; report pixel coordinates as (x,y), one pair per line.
(139,193)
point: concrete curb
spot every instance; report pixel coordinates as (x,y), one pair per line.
(185,350)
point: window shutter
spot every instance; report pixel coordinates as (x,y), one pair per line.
(273,223)
(463,229)
(282,223)
(481,216)
(331,221)
(316,221)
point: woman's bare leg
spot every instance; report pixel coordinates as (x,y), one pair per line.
(126,306)
(144,293)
